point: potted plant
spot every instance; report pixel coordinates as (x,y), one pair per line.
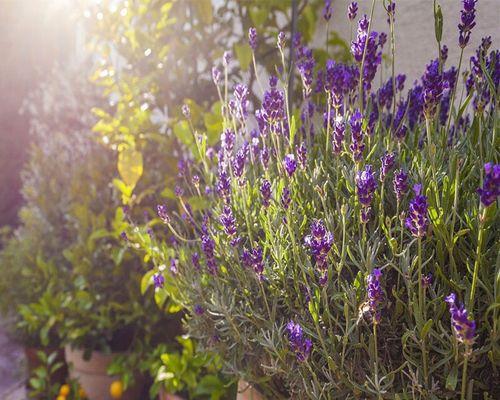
(309,264)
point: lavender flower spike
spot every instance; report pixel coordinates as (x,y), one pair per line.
(467,17)
(417,220)
(388,160)
(375,294)
(301,346)
(463,326)
(352,10)
(290,164)
(365,188)
(491,185)
(320,242)
(265,191)
(400,183)
(327,10)
(357,146)
(252,38)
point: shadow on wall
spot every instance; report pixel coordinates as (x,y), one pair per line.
(34,34)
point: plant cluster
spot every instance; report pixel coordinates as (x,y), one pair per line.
(346,247)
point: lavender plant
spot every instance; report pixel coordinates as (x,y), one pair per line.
(302,256)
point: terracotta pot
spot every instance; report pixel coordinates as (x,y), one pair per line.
(167,396)
(92,375)
(247,392)
(33,362)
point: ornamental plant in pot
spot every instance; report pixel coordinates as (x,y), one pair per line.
(343,244)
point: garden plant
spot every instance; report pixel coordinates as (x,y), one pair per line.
(344,243)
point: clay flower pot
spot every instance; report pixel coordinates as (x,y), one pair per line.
(247,392)
(93,377)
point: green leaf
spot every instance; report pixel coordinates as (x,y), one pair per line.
(452,378)
(146,281)
(426,328)
(130,166)
(438,22)
(243,54)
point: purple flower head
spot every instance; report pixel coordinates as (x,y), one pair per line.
(162,211)
(467,22)
(366,185)
(433,88)
(305,65)
(198,309)
(158,280)
(254,259)
(186,111)
(300,345)
(290,164)
(382,39)
(417,220)
(174,265)
(124,236)
(327,10)
(400,82)
(391,8)
(226,58)
(208,247)
(265,192)
(223,185)
(375,294)
(491,185)
(281,41)
(285,198)
(272,112)
(264,156)
(216,76)
(427,280)
(320,242)
(352,10)
(357,146)
(400,183)
(241,97)
(463,326)
(252,38)
(195,180)
(227,140)
(178,191)
(444,53)
(195,260)
(239,164)
(388,161)
(302,155)
(228,221)
(338,135)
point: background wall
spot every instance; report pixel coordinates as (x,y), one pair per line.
(415,40)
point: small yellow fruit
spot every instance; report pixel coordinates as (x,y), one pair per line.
(116,390)
(61,397)
(64,390)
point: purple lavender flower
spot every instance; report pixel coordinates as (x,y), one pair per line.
(400,82)
(433,88)
(124,236)
(467,17)
(208,247)
(198,309)
(174,266)
(252,38)
(281,41)
(239,165)
(417,220)
(305,65)
(272,112)
(365,49)
(264,157)
(163,213)
(186,111)
(357,146)
(352,10)
(223,185)
(491,185)
(391,8)
(290,164)
(300,345)
(444,53)
(375,294)
(427,280)
(463,326)
(195,259)
(227,140)
(226,58)
(254,259)
(388,161)
(228,221)
(265,191)
(158,280)
(320,242)
(302,155)
(400,183)
(241,97)
(216,76)
(338,135)
(327,10)
(365,185)
(339,81)
(285,198)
